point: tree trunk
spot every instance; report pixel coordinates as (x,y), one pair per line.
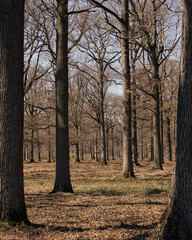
(169,138)
(107,144)
(152,141)
(161,124)
(176,221)
(62,180)
(49,145)
(112,145)
(38,147)
(12,204)
(156,128)
(135,151)
(127,141)
(32,134)
(102,118)
(82,151)
(77,152)
(96,149)
(141,143)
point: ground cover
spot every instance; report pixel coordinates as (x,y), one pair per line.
(104,205)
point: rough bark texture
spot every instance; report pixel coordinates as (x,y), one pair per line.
(62,180)
(12,204)
(127,141)
(176,222)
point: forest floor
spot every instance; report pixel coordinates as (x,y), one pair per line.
(104,205)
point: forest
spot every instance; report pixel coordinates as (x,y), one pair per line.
(95,119)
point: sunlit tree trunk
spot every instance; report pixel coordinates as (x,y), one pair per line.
(12,204)
(127,141)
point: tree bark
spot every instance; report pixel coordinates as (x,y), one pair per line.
(112,144)
(102,117)
(127,136)
(62,180)
(169,138)
(152,141)
(176,221)
(161,125)
(135,150)
(12,204)
(77,152)
(156,129)
(49,145)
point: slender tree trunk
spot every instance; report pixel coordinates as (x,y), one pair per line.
(107,144)
(161,124)
(96,149)
(49,145)
(177,219)
(38,147)
(135,150)
(127,136)
(152,141)
(102,119)
(169,138)
(77,152)
(141,143)
(82,151)
(62,180)
(32,148)
(12,204)
(156,129)
(112,145)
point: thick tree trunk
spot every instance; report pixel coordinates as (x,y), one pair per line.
(127,136)
(12,204)
(62,180)
(176,222)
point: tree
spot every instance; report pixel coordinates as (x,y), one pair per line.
(62,180)
(150,18)
(176,221)
(12,204)
(124,36)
